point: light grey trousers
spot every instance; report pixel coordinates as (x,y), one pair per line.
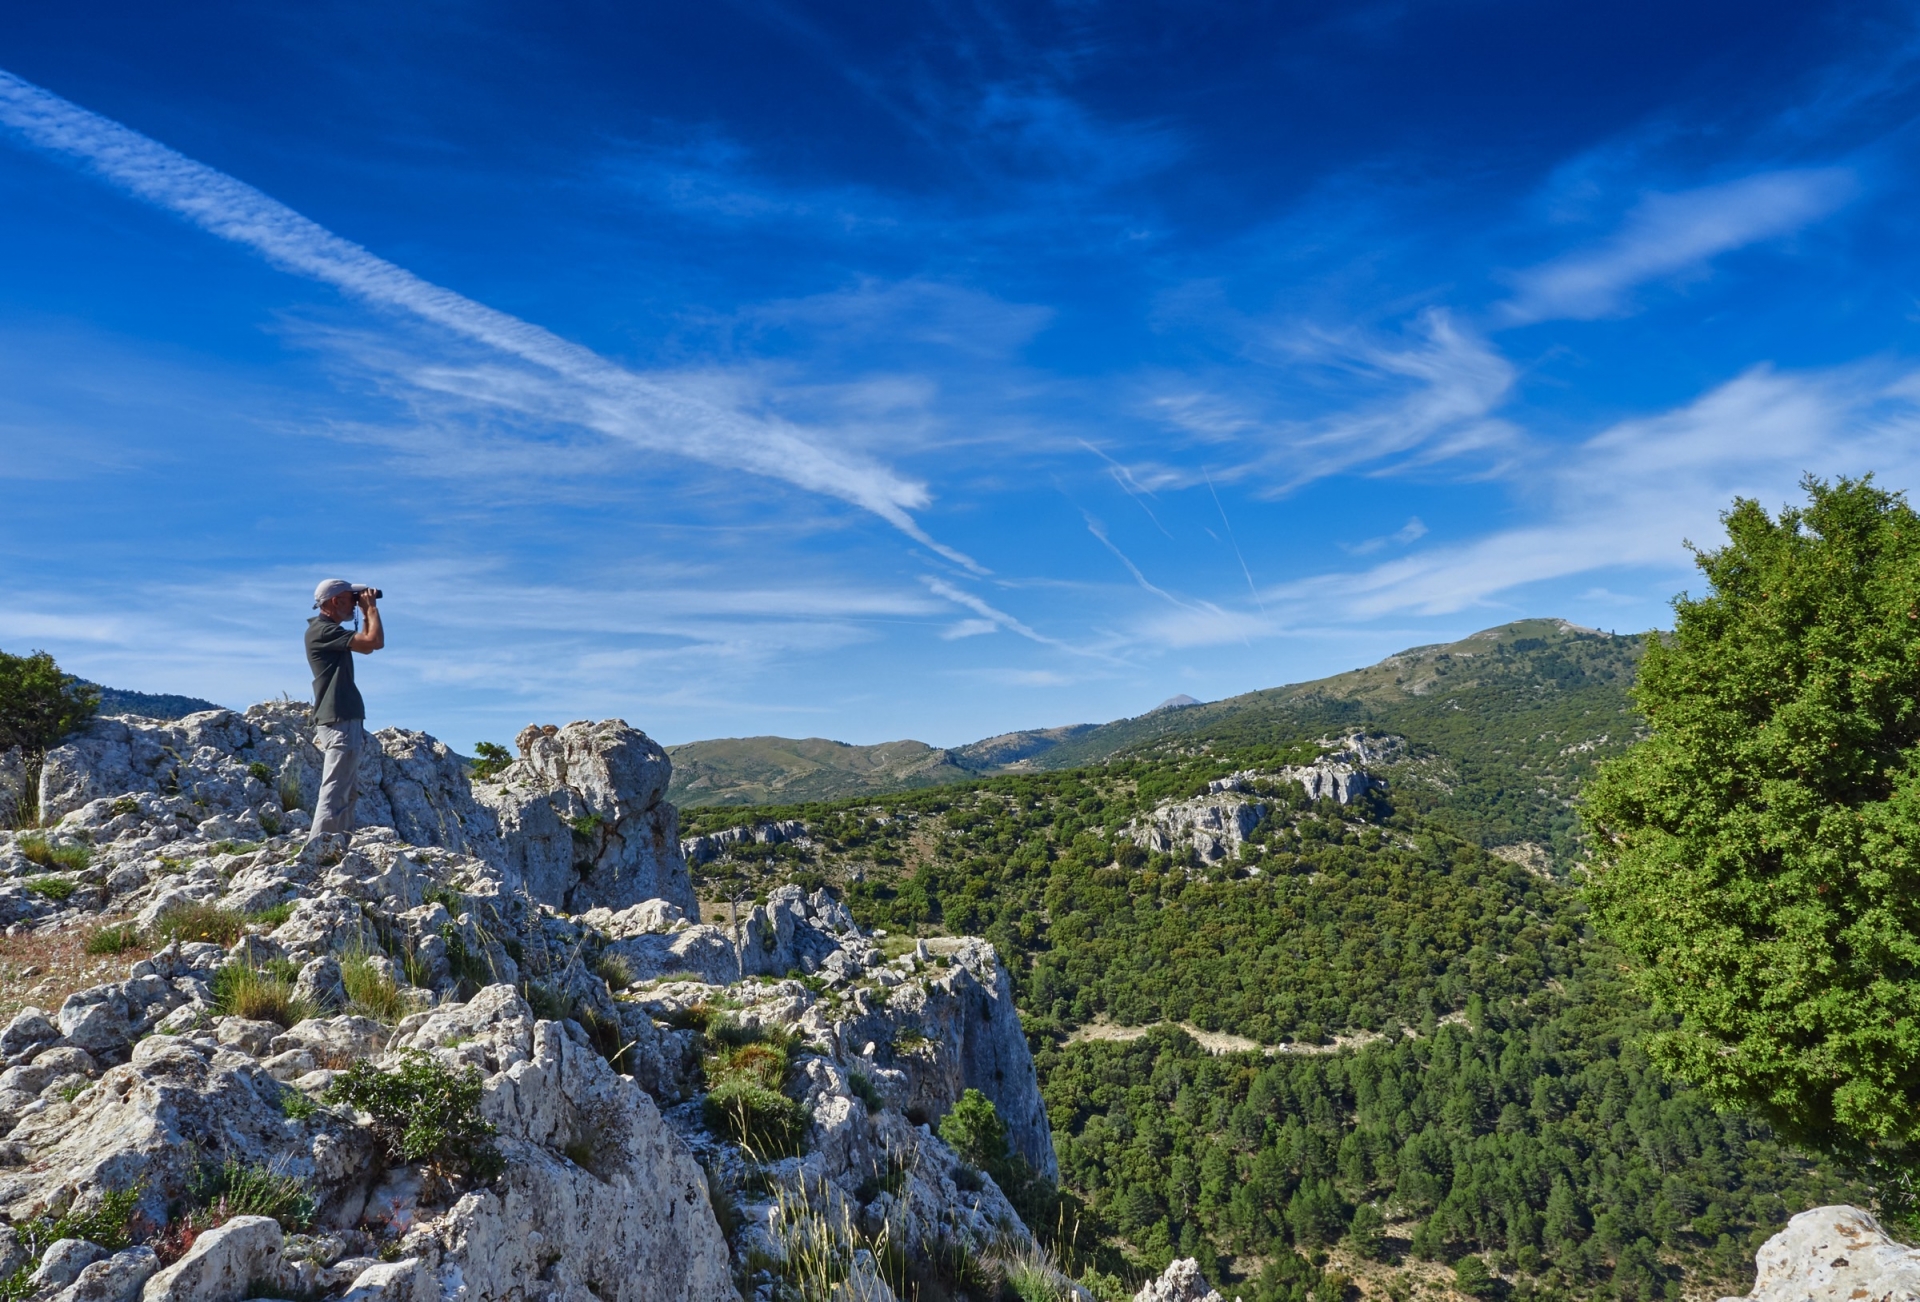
(340,746)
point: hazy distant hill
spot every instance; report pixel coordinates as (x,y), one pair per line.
(150,705)
(785,770)
(780,770)
(1512,714)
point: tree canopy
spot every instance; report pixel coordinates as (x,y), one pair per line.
(39,704)
(1760,850)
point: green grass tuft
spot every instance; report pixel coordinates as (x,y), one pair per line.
(271,916)
(208,923)
(370,992)
(43,854)
(116,938)
(232,1189)
(260,994)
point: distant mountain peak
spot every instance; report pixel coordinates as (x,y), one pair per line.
(1179,702)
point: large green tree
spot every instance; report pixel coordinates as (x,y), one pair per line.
(39,704)
(1760,850)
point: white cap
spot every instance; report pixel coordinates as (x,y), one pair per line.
(330,588)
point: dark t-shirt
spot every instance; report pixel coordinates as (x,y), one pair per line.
(330,653)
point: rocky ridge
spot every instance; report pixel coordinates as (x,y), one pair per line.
(1214,826)
(537,930)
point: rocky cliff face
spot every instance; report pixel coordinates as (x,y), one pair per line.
(539,931)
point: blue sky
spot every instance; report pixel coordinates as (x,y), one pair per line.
(921,370)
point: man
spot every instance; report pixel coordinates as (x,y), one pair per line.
(339,715)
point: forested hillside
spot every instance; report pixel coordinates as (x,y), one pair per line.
(1512,719)
(1450,1091)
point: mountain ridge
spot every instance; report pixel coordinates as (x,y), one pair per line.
(1416,682)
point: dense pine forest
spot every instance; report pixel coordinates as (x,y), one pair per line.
(1421,1071)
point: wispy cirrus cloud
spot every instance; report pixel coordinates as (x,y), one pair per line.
(1431,395)
(566,380)
(1633,494)
(1672,234)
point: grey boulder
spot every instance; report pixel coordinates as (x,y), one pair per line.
(118,1278)
(1835,1254)
(221,1263)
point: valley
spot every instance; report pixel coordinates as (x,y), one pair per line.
(1407,1049)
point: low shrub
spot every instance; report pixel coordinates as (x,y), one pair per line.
(109,1225)
(232,1189)
(423,1111)
(116,938)
(296,1106)
(260,772)
(260,994)
(57,889)
(234,847)
(764,1120)
(124,805)
(747,1073)
(208,923)
(866,1091)
(694,1017)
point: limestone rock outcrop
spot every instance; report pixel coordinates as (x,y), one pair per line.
(707,848)
(579,821)
(585,819)
(1213,826)
(1835,1254)
(13,785)
(539,930)
(1181,1281)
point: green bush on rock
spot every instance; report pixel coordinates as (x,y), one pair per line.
(423,1111)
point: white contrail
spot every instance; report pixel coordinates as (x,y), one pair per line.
(621,403)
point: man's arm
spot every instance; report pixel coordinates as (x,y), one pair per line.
(372,635)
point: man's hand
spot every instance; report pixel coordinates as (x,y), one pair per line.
(372,636)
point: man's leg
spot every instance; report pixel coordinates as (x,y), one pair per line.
(340,765)
(356,730)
